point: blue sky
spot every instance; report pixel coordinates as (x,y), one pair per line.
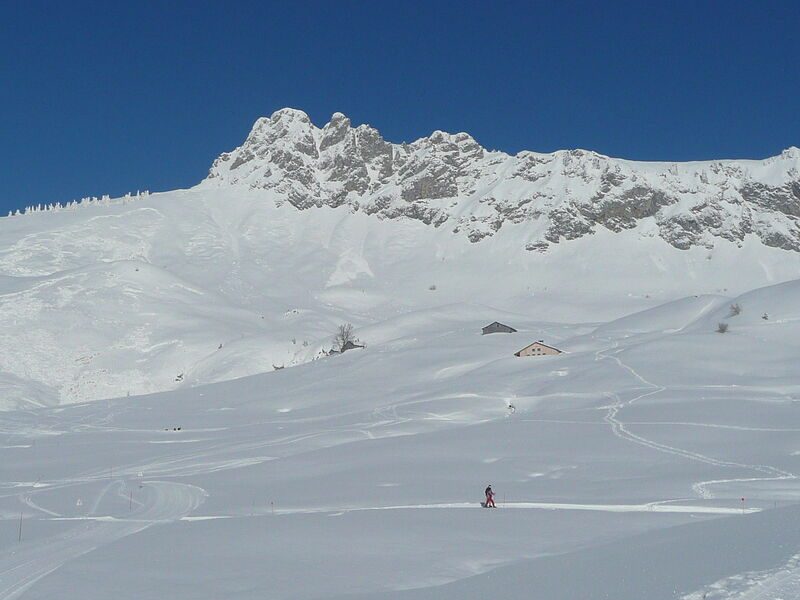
(113,97)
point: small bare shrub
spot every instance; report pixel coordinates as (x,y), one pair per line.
(343,335)
(722,328)
(736,309)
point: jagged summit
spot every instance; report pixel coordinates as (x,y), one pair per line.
(449,180)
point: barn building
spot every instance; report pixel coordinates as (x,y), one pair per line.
(538,349)
(497,328)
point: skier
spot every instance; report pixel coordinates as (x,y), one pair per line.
(489,498)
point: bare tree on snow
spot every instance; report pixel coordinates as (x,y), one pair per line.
(343,335)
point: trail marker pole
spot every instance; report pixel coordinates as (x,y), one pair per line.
(130,502)
(19,539)
(272,505)
(742,505)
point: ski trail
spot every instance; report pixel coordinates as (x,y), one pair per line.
(96,504)
(620,430)
(27,501)
(209,460)
(165,502)
(713,426)
(652,507)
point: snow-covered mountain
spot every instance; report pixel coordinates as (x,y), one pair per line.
(656,457)
(451,181)
(302,229)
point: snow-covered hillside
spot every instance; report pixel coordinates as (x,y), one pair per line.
(620,470)
(226,455)
(224,280)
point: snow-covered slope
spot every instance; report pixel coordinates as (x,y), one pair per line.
(656,457)
(620,472)
(208,284)
(302,229)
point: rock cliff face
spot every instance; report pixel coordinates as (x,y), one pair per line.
(449,180)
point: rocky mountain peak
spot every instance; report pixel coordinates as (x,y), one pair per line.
(450,180)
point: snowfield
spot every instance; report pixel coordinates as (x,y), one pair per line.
(361,473)
(171,426)
(204,285)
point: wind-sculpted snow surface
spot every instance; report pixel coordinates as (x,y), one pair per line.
(660,566)
(449,180)
(161,502)
(643,462)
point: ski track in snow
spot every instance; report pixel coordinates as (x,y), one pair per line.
(167,501)
(619,429)
(650,507)
(26,499)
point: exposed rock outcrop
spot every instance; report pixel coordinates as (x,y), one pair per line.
(450,179)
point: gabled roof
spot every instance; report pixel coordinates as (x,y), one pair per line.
(349,345)
(538,343)
(498,323)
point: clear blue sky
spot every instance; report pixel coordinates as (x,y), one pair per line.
(112,97)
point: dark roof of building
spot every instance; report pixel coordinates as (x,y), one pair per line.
(499,324)
(348,345)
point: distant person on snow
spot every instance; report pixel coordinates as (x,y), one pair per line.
(489,498)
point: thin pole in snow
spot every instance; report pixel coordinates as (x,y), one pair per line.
(19,539)
(130,503)
(272,505)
